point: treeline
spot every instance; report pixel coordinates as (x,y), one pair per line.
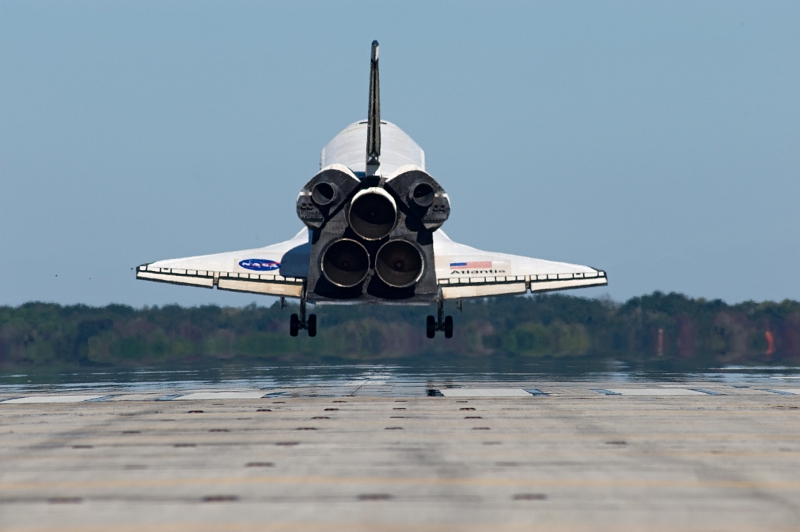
(653,327)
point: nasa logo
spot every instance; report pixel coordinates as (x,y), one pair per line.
(259,265)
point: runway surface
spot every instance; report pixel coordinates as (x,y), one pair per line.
(381,453)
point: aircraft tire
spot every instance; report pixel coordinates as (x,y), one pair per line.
(294,325)
(448,327)
(430,328)
(312,325)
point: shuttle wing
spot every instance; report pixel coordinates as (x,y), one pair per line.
(463,271)
(277,270)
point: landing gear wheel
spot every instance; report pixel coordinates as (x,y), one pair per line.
(312,325)
(431,327)
(448,327)
(294,325)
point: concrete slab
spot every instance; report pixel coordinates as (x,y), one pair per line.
(573,462)
(690,386)
(653,391)
(484,392)
(51,399)
(202,396)
(133,397)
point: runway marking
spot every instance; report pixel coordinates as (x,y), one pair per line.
(538,392)
(44,399)
(650,391)
(707,392)
(187,396)
(484,392)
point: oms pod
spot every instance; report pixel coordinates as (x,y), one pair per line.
(373,213)
(399,263)
(422,194)
(323,193)
(345,263)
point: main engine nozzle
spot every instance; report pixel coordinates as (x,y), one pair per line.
(373,213)
(399,263)
(345,263)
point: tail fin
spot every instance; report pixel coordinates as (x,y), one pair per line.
(374,118)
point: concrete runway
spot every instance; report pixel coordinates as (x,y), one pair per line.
(572,457)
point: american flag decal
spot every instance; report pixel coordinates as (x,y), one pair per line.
(471,265)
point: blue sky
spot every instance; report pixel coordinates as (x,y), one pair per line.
(659,141)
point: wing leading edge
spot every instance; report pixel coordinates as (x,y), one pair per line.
(463,272)
(278,270)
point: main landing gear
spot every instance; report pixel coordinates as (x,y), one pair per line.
(440,323)
(301,322)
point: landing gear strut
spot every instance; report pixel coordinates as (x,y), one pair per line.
(440,323)
(300,322)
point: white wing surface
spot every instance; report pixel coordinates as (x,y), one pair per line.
(463,271)
(277,270)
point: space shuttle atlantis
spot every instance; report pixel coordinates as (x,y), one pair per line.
(372,235)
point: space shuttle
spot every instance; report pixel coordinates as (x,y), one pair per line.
(372,234)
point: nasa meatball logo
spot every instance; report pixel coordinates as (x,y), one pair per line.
(259,265)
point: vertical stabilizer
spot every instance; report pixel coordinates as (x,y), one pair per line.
(374,118)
